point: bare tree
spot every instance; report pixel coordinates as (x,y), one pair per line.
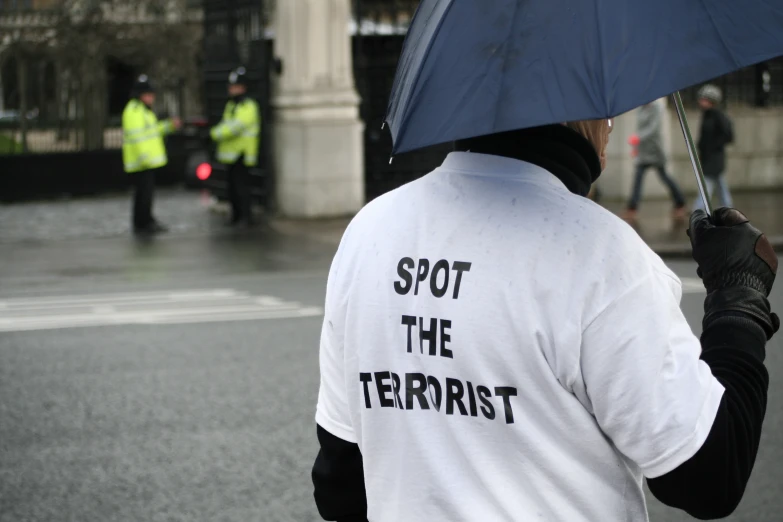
(79,36)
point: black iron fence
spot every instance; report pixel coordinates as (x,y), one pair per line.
(42,137)
(756,86)
(40,123)
(46,156)
(63,90)
(48,127)
(380,27)
(375,62)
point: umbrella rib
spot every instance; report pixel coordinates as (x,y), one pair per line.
(601,57)
(503,66)
(720,35)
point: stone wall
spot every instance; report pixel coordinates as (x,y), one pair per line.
(755,158)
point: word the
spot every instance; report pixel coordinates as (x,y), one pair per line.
(431,335)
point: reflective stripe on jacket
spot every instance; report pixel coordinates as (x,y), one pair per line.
(142,138)
(237,134)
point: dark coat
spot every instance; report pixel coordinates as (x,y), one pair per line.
(716,132)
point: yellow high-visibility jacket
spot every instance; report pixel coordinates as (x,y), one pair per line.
(237,134)
(142,138)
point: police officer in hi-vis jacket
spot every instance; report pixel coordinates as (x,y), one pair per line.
(237,138)
(143,152)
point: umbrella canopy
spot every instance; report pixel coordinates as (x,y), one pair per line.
(475,67)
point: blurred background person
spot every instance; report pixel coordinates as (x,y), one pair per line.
(237,137)
(652,155)
(717,131)
(144,152)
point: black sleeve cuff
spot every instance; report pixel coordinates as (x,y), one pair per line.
(739,301)
(338,479)
(737,331)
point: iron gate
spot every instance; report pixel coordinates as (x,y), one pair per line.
(380,27)
(375,63)
(234,35)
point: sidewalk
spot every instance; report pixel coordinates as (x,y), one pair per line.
(655,224)
(667,239)
(188,213)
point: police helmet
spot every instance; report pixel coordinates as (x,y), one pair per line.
(238,76)
(143,85)
(711,93)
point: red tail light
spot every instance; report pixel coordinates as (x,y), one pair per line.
(203,171)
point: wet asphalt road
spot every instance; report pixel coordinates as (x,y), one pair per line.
(136,416)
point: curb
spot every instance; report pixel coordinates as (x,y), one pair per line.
(682,250)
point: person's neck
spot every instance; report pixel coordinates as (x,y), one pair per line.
(560,150)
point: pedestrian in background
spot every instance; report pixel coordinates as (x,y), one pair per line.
(237,136)
(716,132)
(144,152)
(652,155)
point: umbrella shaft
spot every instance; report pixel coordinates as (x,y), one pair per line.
(686,132)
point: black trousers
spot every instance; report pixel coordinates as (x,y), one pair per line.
(674,189)
(239,192)
(143,195)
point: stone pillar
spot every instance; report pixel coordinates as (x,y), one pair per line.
(318,136)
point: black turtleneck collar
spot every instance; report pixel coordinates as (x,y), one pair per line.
(556,148)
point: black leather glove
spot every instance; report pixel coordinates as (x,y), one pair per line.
(738,266)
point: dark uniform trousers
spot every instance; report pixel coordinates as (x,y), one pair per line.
(144,190)
(239,192)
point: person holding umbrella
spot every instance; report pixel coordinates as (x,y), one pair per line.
(717,131)
(651,155)
(496,346)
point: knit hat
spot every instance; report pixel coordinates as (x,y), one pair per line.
(711,92)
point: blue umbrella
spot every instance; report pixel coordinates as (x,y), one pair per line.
(475,67)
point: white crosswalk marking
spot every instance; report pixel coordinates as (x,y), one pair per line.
(180,307)
(197,306)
